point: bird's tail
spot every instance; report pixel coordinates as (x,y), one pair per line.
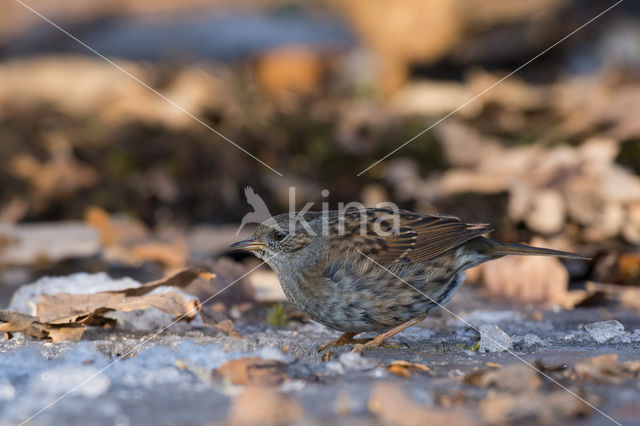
(504,249)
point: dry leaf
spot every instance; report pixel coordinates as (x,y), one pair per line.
(226,326)
(59,177)
(27,324)
(65,308)
(392,405)
(606,369)
(61,333)
(627,296)
(17,322)
(512,378)
(532,407)
(399,371)
(253,371)
(172,254)
(264,406)
(404,368)
(115,230)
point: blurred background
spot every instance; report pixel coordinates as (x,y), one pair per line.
(99,173)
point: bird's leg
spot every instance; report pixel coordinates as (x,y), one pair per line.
(344,339)
(380,339)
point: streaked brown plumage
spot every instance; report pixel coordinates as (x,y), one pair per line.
(368,270)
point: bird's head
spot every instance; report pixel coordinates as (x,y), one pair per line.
(285,243)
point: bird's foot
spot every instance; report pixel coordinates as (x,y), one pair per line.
(344,339)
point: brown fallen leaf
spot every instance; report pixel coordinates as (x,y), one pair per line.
(607,369)
(64,308)
(27,324)
(404,368)
(627,296)
(17,322)
(225,325)
(392,405)
(61,176)
(252,371)
(399,371)
(264,406)
(117,229)
(228,328)
(61,333)
(532,407)
(512,378)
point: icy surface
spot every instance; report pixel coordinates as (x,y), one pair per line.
(493,339)
(26,298)
(351,361)
(603,331)
(167,379)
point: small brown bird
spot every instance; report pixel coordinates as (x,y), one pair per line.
(374,269)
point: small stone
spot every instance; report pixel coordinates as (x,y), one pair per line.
(603,331)
(455,373)
(531,341)
(493,339)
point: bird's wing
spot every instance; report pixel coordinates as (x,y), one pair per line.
(417,238)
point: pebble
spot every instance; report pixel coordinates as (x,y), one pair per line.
(493,339)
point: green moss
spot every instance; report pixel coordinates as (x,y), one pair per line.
(277,315)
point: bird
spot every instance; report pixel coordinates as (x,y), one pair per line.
(374,269)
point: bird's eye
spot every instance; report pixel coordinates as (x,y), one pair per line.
(279,235)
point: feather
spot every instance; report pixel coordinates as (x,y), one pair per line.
(418,238)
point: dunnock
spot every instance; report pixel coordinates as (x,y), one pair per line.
(374,269)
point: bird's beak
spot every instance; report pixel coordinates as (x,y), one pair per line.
(248,244)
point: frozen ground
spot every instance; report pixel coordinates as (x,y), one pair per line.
(168,379)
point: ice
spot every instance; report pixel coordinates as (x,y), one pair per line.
(603,331)
(7,391)
(493,339)
(35,376)
(84,381)
(26,298)
(268,353)
(351,361)
(531,340)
